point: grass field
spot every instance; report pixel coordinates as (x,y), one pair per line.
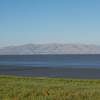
(28,88)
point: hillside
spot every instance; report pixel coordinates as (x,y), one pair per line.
(30,49)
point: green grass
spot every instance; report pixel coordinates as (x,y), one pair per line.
(31,88)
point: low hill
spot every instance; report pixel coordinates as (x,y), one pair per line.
(30,49)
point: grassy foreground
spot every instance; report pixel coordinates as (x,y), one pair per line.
(28,88)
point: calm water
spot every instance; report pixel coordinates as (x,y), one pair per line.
(80,61)
(71,66)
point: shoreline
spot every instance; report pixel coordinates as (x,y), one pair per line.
(74,73)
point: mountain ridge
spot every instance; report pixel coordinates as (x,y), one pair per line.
(54,48)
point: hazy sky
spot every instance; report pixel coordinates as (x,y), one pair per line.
(49,21)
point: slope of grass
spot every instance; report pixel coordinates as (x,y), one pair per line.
(31,88)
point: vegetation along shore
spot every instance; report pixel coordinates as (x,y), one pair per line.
(42,88)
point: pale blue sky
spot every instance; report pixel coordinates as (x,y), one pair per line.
(49,21)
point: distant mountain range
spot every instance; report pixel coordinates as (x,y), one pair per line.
(30,49)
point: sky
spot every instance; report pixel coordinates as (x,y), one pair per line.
(49,21)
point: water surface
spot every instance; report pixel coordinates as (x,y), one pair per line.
(80,61)
(70,66)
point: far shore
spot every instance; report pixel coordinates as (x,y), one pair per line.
(75,73)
